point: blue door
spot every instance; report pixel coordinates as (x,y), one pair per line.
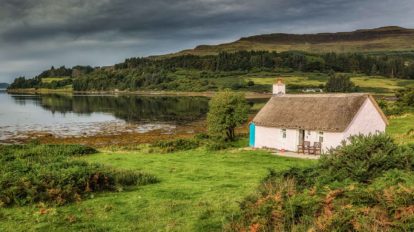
(252,134)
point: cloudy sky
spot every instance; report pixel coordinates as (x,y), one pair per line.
(35,34)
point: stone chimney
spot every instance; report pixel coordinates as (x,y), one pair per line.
(279,87)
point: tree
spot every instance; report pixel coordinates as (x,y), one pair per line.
(339,83)
(405,97)
(227,110)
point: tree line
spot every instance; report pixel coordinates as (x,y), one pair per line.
(154,73)
(385,65)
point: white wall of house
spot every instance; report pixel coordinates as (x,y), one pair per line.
(331,140)
(367,121)
(270,137)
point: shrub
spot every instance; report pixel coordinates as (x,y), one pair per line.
(406,97)
(364,158)
(49,173)
(202,136)
(176,145)
(215,145)
(129,178)
(340,83)
(365,185)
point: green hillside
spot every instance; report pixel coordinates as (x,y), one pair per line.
(381,39)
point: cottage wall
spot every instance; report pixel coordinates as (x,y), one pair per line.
(273,138)
(331,140)
(367,121)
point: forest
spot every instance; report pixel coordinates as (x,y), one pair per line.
(159,73)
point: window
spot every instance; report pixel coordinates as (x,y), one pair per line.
(284,133)
(320,136)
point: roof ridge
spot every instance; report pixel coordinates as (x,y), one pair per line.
(325,95)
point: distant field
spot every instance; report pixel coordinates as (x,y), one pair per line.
(374,84)
(51,79)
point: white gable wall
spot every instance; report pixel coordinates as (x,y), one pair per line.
(367,121)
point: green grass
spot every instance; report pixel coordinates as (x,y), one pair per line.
(374,84)
(401,128)
(51,79)
(197,192)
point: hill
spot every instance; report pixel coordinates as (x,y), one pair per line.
(391,38)
(4,85)
(386,52)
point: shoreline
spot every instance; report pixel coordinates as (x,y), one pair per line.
(249,95)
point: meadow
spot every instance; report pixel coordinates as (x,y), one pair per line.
(52,79)
(371,84)
(198,191)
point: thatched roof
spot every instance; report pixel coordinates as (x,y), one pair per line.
(321,112)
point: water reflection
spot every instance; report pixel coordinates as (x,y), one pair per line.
(23,116)
(131,108)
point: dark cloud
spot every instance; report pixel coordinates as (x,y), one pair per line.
(37,34)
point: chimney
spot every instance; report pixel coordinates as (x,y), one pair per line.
(279,87)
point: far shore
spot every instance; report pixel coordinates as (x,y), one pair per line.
(249,95)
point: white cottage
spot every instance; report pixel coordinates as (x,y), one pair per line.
(288,120)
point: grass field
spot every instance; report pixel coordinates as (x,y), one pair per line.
(401,128)
(198,190)
(51,79)
(374,84)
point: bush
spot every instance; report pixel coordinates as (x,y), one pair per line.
(406,97)
(365,185)
(130,178)
(364,158)
(340,83)
(216,145)
(176,145)
(48,173)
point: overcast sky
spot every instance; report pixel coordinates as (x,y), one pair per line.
(35,34)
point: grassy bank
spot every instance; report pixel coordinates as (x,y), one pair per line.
(198,190)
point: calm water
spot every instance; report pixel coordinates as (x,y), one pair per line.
(84,115)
